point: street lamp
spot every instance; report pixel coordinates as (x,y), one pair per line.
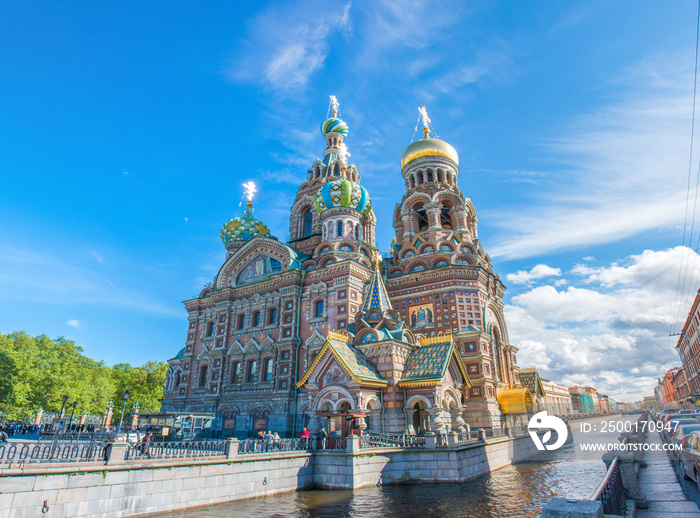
(75,404)
(121,418)
(134,411)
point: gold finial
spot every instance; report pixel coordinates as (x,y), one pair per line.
(376,260)
(426,121)
(334,105)
(250,191)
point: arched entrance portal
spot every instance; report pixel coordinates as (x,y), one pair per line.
(421,419)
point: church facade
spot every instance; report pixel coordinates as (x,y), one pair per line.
(319,332)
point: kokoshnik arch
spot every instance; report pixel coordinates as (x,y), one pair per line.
(320,332)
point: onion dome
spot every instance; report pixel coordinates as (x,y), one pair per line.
(335,125)
(429,147)
(243,228)
(342,193)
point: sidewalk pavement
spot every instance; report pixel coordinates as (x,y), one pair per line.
(661,487)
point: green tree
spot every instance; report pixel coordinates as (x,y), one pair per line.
(36,372)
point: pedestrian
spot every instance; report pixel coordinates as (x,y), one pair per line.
(306,435)
(3,436)
(277,440)
(146,445)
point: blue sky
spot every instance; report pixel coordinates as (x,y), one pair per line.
(128,130)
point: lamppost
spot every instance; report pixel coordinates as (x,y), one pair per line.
(121,418)
(75,404)
(60,416)
(134,412)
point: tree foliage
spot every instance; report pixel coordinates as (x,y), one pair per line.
(36,372)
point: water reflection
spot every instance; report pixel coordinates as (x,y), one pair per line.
(519,490)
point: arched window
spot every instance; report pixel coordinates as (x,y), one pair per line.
(357,232)
(236,372)
(252,371)
(318,308)
(203,375)
(256,319)
(308,223)
(210,328)
(272,316)
(241,321)
(340,229)
(267,370)
(177,379)
(430,176)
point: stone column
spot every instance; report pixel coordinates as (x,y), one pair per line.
(432,210)
(436,423)
(457,420)
(314,425)
(231,448)
(353,444)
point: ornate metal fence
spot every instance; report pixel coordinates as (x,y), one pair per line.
(610,491)
(251,446)
(383,440)
(35,452)
(175,450)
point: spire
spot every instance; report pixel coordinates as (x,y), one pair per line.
(250,191)
(377,297)
(426,121)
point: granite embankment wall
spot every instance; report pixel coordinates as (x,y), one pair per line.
(152,486)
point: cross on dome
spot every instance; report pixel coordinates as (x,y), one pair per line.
(334,105)
(426,120)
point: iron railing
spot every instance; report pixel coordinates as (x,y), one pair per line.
(382,440)
(610,491)
(35,452)
(175,450)
(251,446)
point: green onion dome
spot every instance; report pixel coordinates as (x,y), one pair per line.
(342,193)
(243,228)
(334,124)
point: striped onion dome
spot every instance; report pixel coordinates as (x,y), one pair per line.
(335,125)
(342,193)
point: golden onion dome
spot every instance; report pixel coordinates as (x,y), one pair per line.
(429,147)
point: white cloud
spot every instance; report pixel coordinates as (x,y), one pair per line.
(610,331)
(540,271)
(97,256)
(73,323)
(616,171)
(287,43)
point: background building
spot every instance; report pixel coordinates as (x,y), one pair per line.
(686,381)
(557,399)
(581,400)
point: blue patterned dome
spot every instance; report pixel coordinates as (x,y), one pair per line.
(243,228)
(334,124)
(342,193)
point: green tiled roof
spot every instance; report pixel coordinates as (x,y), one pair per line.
(351,359)
(430,361)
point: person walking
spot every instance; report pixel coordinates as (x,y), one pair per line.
(146,445)
(3,436)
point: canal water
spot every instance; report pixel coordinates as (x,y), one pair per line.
(519,490)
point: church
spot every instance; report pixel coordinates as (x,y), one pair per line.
(321,331)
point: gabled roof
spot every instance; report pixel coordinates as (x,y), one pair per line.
(530,379)
(350,359)
(427,365)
